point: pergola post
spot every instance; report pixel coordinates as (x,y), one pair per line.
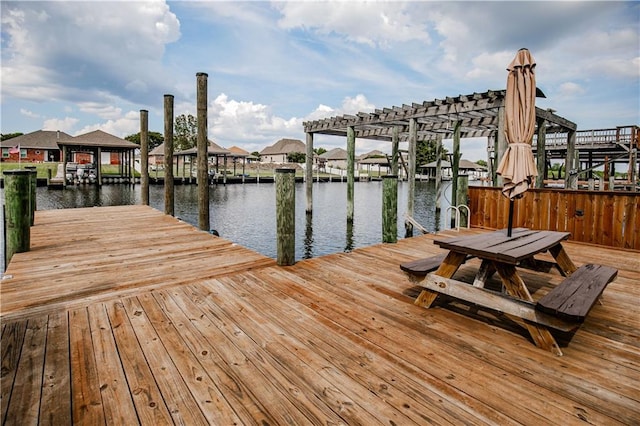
(411,179)
(541,158)
(571,175)
(144,155)
(168,155)
(308,172)
(438,178)
(351,155)
(99,166)
(491,157)
(501,146)
(455,164)
(64,166)
(202,142)
(395,148)
(132,166)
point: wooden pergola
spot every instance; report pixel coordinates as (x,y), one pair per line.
(463,116)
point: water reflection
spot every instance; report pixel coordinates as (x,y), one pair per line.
(308,236)
(349,237)
(245,214)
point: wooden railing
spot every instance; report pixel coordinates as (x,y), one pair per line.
(627,136)
(598,217)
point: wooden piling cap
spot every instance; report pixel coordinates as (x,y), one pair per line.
(17,172)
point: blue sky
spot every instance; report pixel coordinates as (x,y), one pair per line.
(80,66)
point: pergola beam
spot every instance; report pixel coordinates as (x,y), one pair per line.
(477,112)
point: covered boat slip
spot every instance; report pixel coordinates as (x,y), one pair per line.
(133,327)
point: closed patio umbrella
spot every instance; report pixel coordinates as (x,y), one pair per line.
(517,166)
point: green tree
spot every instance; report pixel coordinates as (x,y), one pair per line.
(185,133)
(426,152)
(155,139)
(481,163)
(319,151)
(7,136)
(296,157)
(256,154)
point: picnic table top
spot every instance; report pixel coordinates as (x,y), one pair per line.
(523,244)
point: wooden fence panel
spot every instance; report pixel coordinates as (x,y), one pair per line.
(598,217)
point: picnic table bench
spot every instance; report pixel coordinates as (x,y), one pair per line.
(563,308)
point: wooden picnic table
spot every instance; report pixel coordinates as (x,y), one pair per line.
(502,254)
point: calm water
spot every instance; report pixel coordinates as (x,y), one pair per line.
(245,214)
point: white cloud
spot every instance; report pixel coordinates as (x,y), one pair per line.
(616,67)
(371,23)
(106,111)
(249,122)
(66,124)
(90,46)
(570,89)
(120,127)
(28,113)
(486,66)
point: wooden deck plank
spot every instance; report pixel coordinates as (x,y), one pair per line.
(12,339)
(500,355)
(368,368)
(460,364)
(25,396)
(86,401)
(175,392)
(116,397)
(205,331)
(204,389)
(147,397)
(204,340)
(295,347)
(266,385)
(55,404)
(294,388)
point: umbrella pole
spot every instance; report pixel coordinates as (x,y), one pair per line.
(510,226)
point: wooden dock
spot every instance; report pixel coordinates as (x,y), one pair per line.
(122,315)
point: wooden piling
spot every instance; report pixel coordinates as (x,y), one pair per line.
(389,209)
(462,199)
(395,149)
(17,194)
(144,156)
(285,216)
(351,154)
(168,155)
(308,173)
(438,180)
(33,184)
(541,159)
(455,164)
(202,157)
(411,175)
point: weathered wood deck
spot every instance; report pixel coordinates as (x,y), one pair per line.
(122,315)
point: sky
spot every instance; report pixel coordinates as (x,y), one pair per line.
(79,66)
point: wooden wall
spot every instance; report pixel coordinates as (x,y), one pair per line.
(597,217)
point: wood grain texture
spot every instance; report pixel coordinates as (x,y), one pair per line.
(596,217)
(330,340)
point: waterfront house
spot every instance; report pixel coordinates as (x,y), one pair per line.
(156,156)
(35,147)
(335,158)
(278,152)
